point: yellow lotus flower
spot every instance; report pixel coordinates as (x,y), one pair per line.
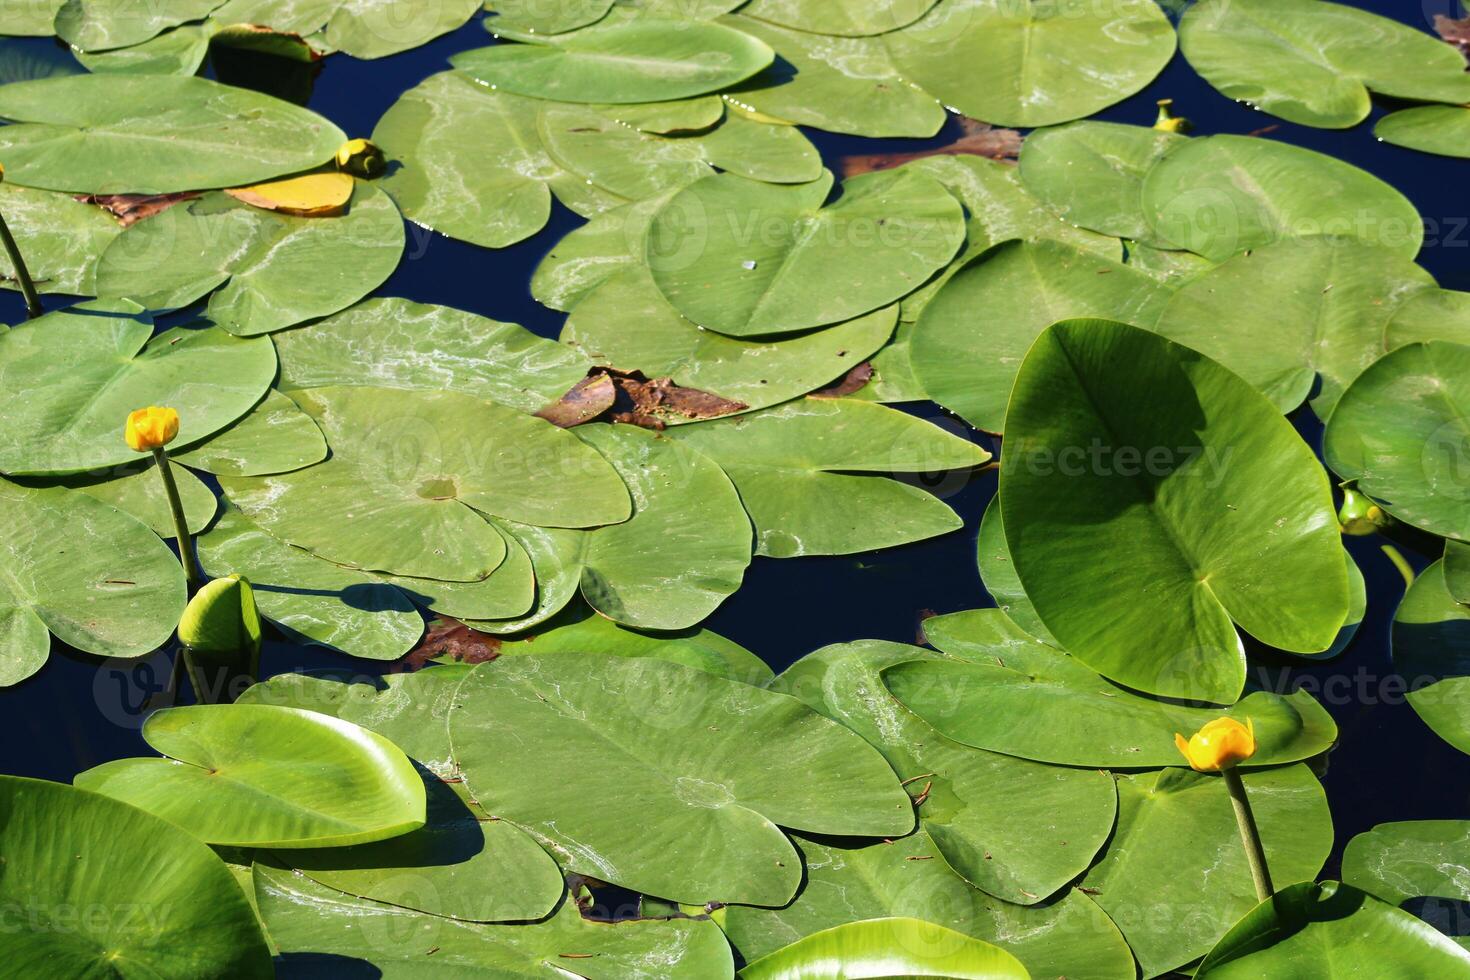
(1222,744)
(361,158)
(151,428)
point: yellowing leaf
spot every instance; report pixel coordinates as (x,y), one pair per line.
(312,196)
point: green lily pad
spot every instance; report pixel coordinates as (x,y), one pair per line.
(1431,650)
(681,116)
(410,467)
(395,343)
(1225,515)
(138,491)
(1431,314)
(271,270)
(743,258)
(648,60)
(1219,195)
(591,254)
(1327,930)
(808,473)
(655,761)
(153,134)
(1035,62)
(971,337)
(60,237)
(1174,876)
(363,30)
(100,25)
(153,900)
(69,379)
(252,775)
(1284,314)
(893,371)
(1015,829)
(1401,431)
(99,579)
(998,575)
(1092,173)
(1039,703)
(537,17)
(1441,129)
(1067,936)
(627,324)
(1314,63)
(840,84)
(305,917)
(554,555)
(1457,569)
(1410,859)
(273,437)
(842,18)
(30,18)
(891,946)
(178,51)
(1172,267)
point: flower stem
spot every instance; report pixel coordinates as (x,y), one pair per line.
(192,575)
(22,274)
(1401,563)
(1255,853)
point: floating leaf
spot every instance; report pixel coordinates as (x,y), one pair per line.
(1457,569)
(273,437)
(1410,859)
(252,775)
(1033,63)
(743,258)
(153,899)
(649,60)
(1219,195)
(1314,63)
(1227,516)
(118,134)
(99,25)
(538,17)
(797,469)
(1174,876)
(74,566)
(312,196)
(178,51)
(69,379)
(271,269)
(1015,829)
(998,575)
(363,30)
(1282,315)
(668,780)
(554,554)
(971,337)
(843,18)
(34,18)
(591,254)
(1430,314)
(1401,432)
(1329,930)
(1442,129)
(882,947)
(1039,703)
(1431,650)
(60,238)
(138,491)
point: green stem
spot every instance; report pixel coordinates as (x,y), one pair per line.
(22,274)
(192,574)
(1255,853)
(1401,563)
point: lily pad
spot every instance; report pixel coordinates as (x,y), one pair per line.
(1457,569)
(100,25)
(1068,936)
(1033,62)
(1410,859)
(669,780)
(843,18)
(1174,876)
(972,336)
(591,254)
(363,30)
(1039,703)
(648,60)
(1314,63)
(156,900)
(252,775)
(998,575)
(30,18)
(809,473)
(153,134)
(69,379)
(60,237)
(554,554)
(910,947)
(395,343)
(840,84)
(99,579)
(1284,314)
(1431,650)
(1017,830)
(305,917)
(538,17)
(742,258)
(1441,129)
(1219,195)
(1402,431)
(178,51)
(273,437)
(138,491)
(1327,930)
(1227,516)
(1431,314)
(412,473)
(271,269)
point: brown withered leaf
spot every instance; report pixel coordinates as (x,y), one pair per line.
(977,139)
(636,400)
(129,209)
(850,382)
(1456,32)
(449,638)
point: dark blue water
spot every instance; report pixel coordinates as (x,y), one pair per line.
(78,711)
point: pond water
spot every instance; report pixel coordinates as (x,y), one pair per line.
(79,711)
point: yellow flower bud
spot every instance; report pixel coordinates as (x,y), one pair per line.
(151,427)
(1167,121)
(1222,744)
(362,158)
(222,618)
